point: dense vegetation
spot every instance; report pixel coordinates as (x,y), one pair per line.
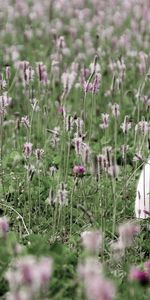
(74,135)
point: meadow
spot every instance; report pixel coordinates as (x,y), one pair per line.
(74,137)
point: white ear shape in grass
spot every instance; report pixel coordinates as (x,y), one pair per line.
(142,203)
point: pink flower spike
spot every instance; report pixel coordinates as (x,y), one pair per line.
(27,149)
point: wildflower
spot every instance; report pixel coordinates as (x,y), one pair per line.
(8,72)
(25,121)
(42,73)
(45,270)
(115,110)
(95,67)
(55,69)
(68,79)
(126,125)
(55,136)
(52,170)
(39,153)
(34,104)
(143,59)
(4,226)
(136,274)
(69,122)
(62,195)
(105,121)
(146,100)
(26,72)
(92,86)
(108,155)
(93,83)
(5,101)
(50,198)
(100,163)
(138,157)
(92,240)
(124,148)
(30,171)
(117,250)
(87,86)
(2,82)
(29,273)
(91,266)
(99,288)
(79,124)
(113,170)
(27,149)
(85,73)
(78,170)
(78,145)
(60,42)
(96,83)
(96,286)
(28,75)
(127,233)
(142,127)
(85,153)
(27,270)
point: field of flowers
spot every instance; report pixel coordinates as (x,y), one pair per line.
(74,136)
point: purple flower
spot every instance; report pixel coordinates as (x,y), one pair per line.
(27,147)
(138,275)
(79,170)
